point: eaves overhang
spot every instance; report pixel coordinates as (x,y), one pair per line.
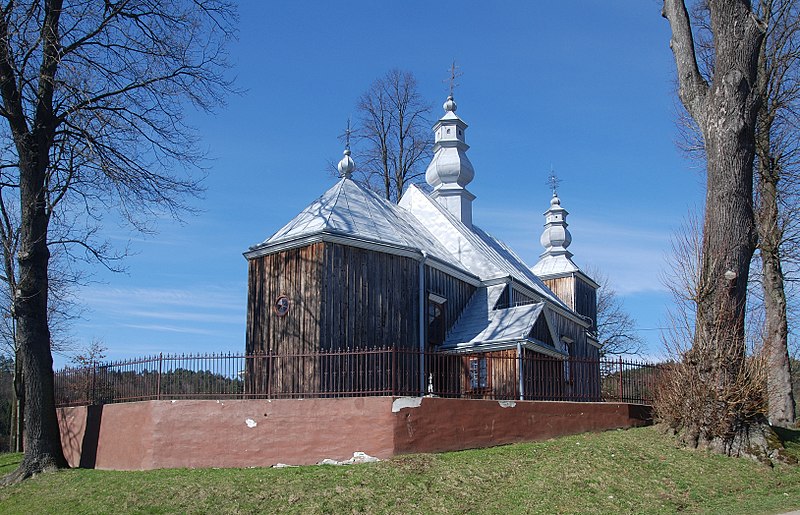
(504,344)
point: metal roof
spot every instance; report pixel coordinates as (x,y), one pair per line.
(350,210)
(554,265)
(481,325)
(479,252)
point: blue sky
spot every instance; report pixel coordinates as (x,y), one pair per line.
(586,87)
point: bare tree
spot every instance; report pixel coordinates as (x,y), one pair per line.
(777,172)
(393,134)
(616,328)
(93,95)
(777,175)
(725,108)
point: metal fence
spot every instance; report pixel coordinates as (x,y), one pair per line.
(504,375)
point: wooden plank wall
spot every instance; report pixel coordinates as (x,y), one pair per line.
(564,288)
(577,294)
(586,301)
(520,299)
(296,274)
(456,291)
(369,299)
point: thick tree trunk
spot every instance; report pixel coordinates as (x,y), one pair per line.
(42,439)
(725,111)
(33,141)
(727,119)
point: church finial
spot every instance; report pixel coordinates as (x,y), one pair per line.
(346,165)
(346,135)
(553,181)
(450,104)
(454,74)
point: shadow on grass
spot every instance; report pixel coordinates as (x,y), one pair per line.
(790,439)
(9,462)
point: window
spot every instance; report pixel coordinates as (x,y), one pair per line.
(281,306)
(437,327)
(478,373)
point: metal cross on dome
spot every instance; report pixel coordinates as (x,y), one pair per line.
(553,181)
(454,74)
(346,135)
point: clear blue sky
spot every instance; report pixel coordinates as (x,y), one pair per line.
(584,86)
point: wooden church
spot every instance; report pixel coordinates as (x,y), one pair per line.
(358,295)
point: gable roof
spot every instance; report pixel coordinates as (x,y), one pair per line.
(481,326)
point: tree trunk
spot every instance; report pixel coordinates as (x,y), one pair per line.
(780,400)
(726,113)
(17,405)
(779,376)
(727,120)
(42,439)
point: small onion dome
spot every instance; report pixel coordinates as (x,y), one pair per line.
(555,201)
(346,165)
(450,104)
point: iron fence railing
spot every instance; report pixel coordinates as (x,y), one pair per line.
(503,375)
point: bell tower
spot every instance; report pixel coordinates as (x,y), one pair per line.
(556,268)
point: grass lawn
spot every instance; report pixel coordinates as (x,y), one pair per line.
(634,471)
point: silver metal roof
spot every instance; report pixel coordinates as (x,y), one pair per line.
(479,252)
(352,211)
(554,266)
(481,326)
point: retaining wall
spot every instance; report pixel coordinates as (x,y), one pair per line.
(244,433)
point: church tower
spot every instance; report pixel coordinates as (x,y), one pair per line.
(556,268)
(450,170)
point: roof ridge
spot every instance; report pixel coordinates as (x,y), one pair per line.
(340,185)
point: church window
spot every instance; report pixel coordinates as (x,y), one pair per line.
(478,373)
(281,306)
(436,319)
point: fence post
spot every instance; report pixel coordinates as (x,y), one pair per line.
(394,370)
(520,375)
(620,379)
(158,378)
(269,374)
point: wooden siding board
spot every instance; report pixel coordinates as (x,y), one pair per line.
(457,293)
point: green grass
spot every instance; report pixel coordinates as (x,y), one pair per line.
(634,471)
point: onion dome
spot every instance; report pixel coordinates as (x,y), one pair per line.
(346,165)
(450,170)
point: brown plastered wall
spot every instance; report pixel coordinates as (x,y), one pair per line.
(206,433)
(245,433)
(438,425)
(115,436)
